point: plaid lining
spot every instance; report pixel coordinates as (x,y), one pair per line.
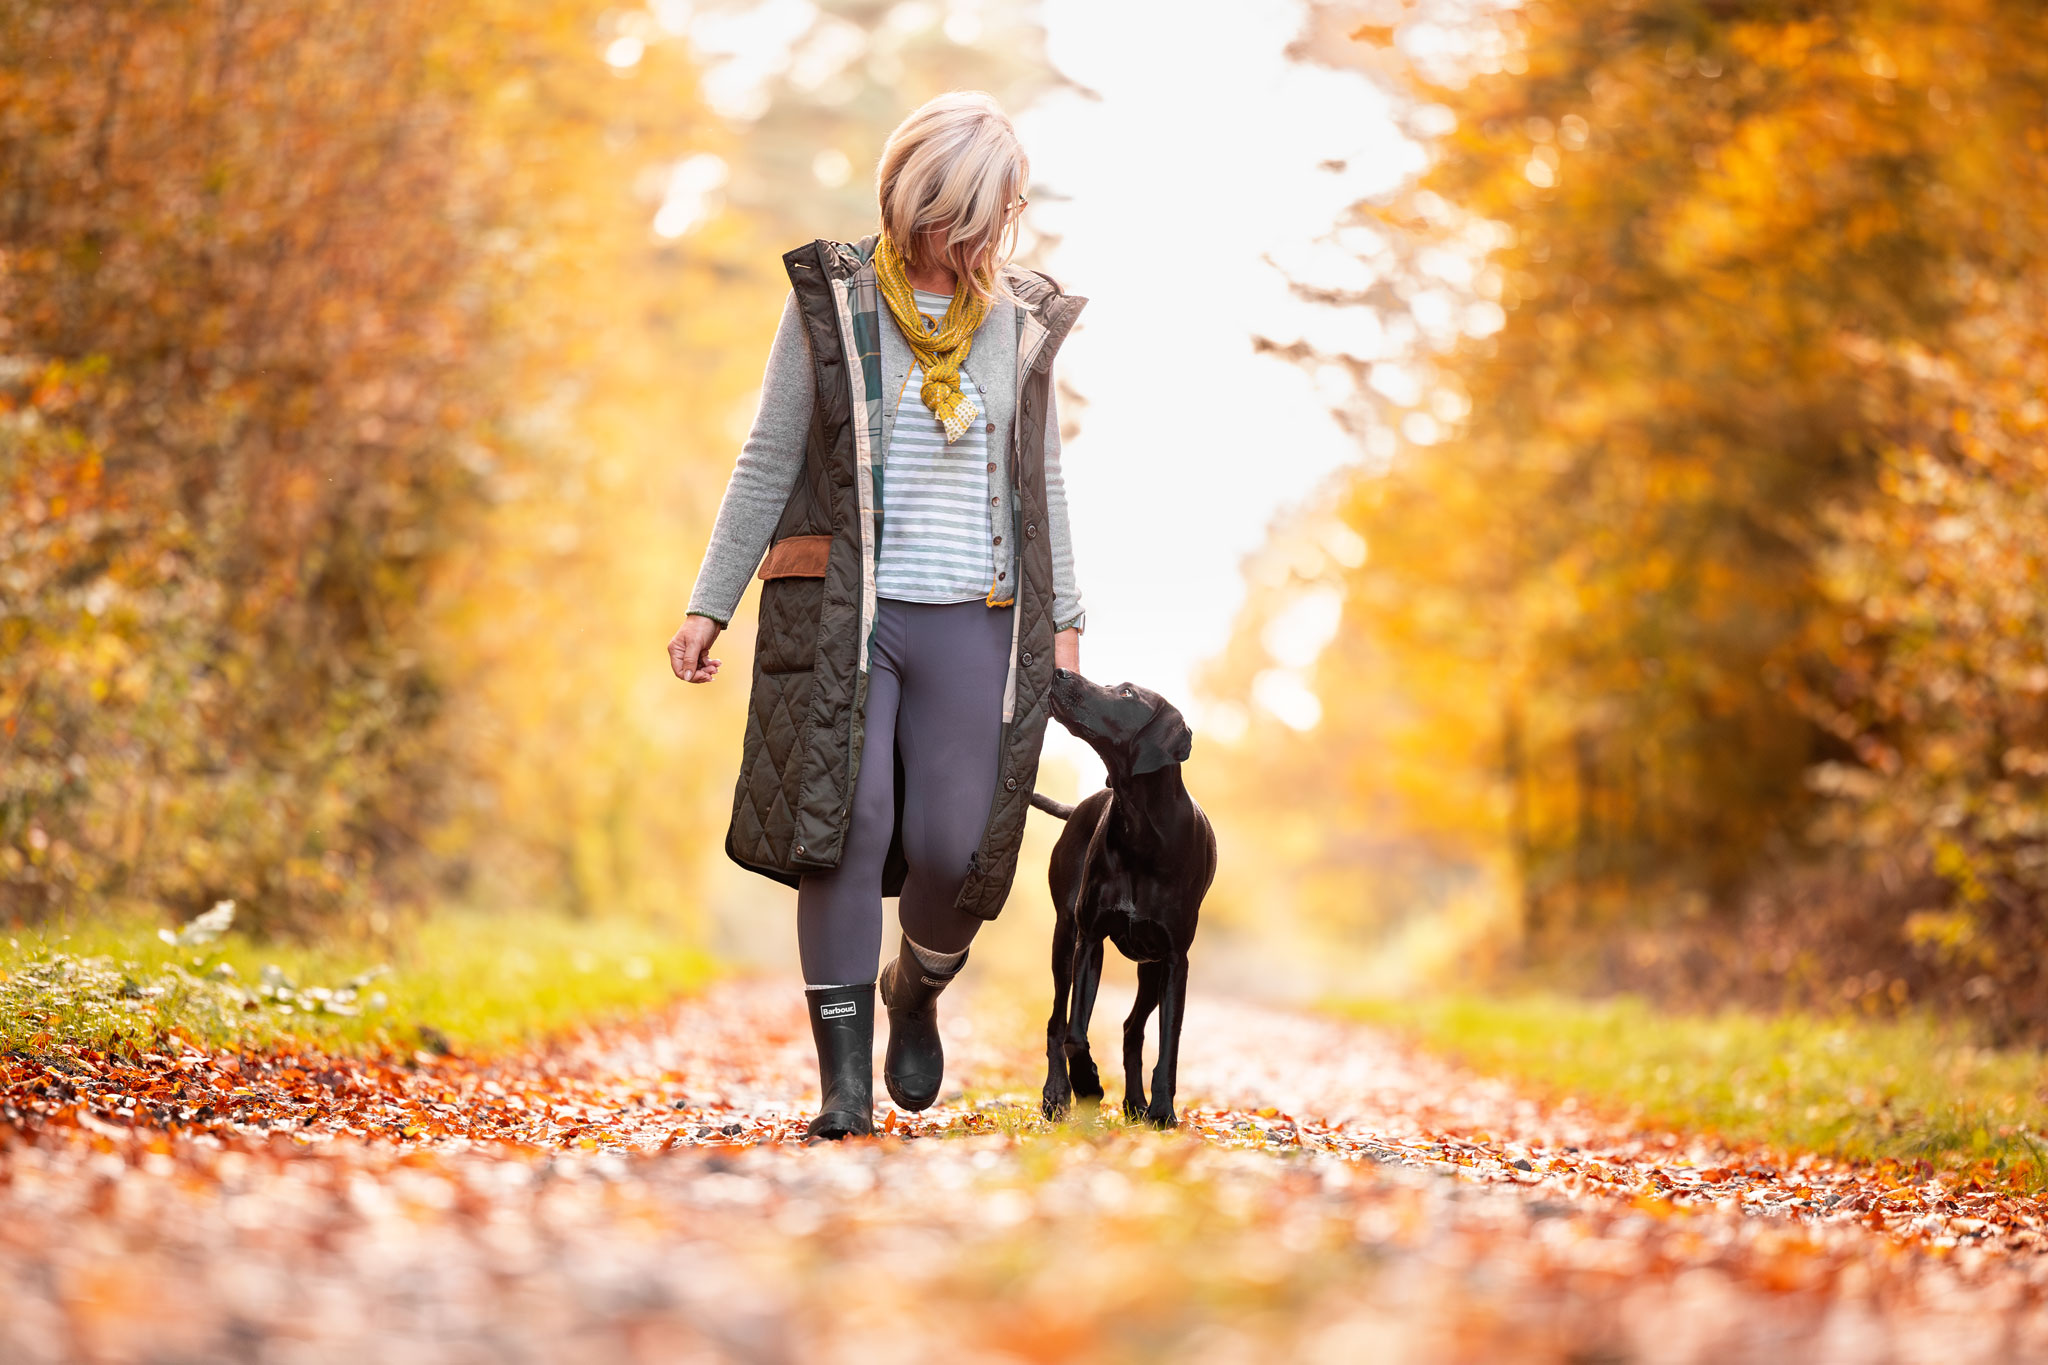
(859,319)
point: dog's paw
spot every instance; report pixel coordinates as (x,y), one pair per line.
(1134,1109)
(1054,1104)
(1162,1116)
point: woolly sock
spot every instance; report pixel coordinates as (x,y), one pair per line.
(938,964)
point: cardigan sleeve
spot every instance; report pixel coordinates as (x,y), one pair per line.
(771,459)
(1067,613)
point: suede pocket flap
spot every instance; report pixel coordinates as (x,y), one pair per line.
(797,557)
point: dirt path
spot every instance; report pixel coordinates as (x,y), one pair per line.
(641,1196)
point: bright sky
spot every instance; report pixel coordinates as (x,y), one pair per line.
(1196,170)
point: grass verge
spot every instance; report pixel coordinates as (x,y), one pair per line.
(450,980)
(1908,1091)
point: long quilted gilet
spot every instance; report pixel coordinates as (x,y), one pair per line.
(804,740)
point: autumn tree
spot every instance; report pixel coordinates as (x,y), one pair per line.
(368,378)
(1701,553)
(241,348)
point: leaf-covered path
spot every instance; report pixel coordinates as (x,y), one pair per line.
(644,1195)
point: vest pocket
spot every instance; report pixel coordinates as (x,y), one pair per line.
(789,624)
(797,557)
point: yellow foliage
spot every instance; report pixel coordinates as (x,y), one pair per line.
(1736,553)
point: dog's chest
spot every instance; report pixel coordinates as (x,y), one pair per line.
(1139,939)
(1113,888)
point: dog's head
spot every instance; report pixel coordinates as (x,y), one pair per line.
(1134,729)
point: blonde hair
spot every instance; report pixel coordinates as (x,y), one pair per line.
(947,179)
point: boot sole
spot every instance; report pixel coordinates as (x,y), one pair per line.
(916,1104)
(839,1127)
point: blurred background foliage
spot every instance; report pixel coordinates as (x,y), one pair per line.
(248,344)
(368,379)
(1685,613)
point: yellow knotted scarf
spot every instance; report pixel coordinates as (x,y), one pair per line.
(940,349)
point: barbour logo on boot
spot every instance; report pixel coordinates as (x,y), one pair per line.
(839,1010)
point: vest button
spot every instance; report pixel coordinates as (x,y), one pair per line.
(991,466)
(1026,657)
(1001,576)
(1031,529)
(999,540)
(799,850)
(991,427)
(1009,784)
(993,501)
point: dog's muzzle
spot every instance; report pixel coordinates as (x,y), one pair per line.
(1060,694)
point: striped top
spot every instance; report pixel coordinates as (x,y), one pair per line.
(936,542)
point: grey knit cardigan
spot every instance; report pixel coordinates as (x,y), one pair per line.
(772,457)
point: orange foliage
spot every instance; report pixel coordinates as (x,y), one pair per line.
(1333,1182)
(1710,550)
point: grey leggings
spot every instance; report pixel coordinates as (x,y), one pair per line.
(935,692)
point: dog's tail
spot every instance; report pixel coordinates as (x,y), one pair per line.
(1059,810)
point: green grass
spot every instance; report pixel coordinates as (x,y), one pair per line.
(1907,1091)
(471,980)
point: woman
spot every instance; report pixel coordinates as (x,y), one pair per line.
(902,477)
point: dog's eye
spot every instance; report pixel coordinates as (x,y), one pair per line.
(1129,693)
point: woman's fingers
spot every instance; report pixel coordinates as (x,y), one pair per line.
(684,653)
(687,650)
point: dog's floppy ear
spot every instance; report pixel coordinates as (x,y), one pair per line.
(1165,741)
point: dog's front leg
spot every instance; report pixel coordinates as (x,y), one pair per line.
(1087,1081)
(1151,981)
(1166,1076)
(1058,1095)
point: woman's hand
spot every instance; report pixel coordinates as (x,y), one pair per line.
(688,650)
(1066,650)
